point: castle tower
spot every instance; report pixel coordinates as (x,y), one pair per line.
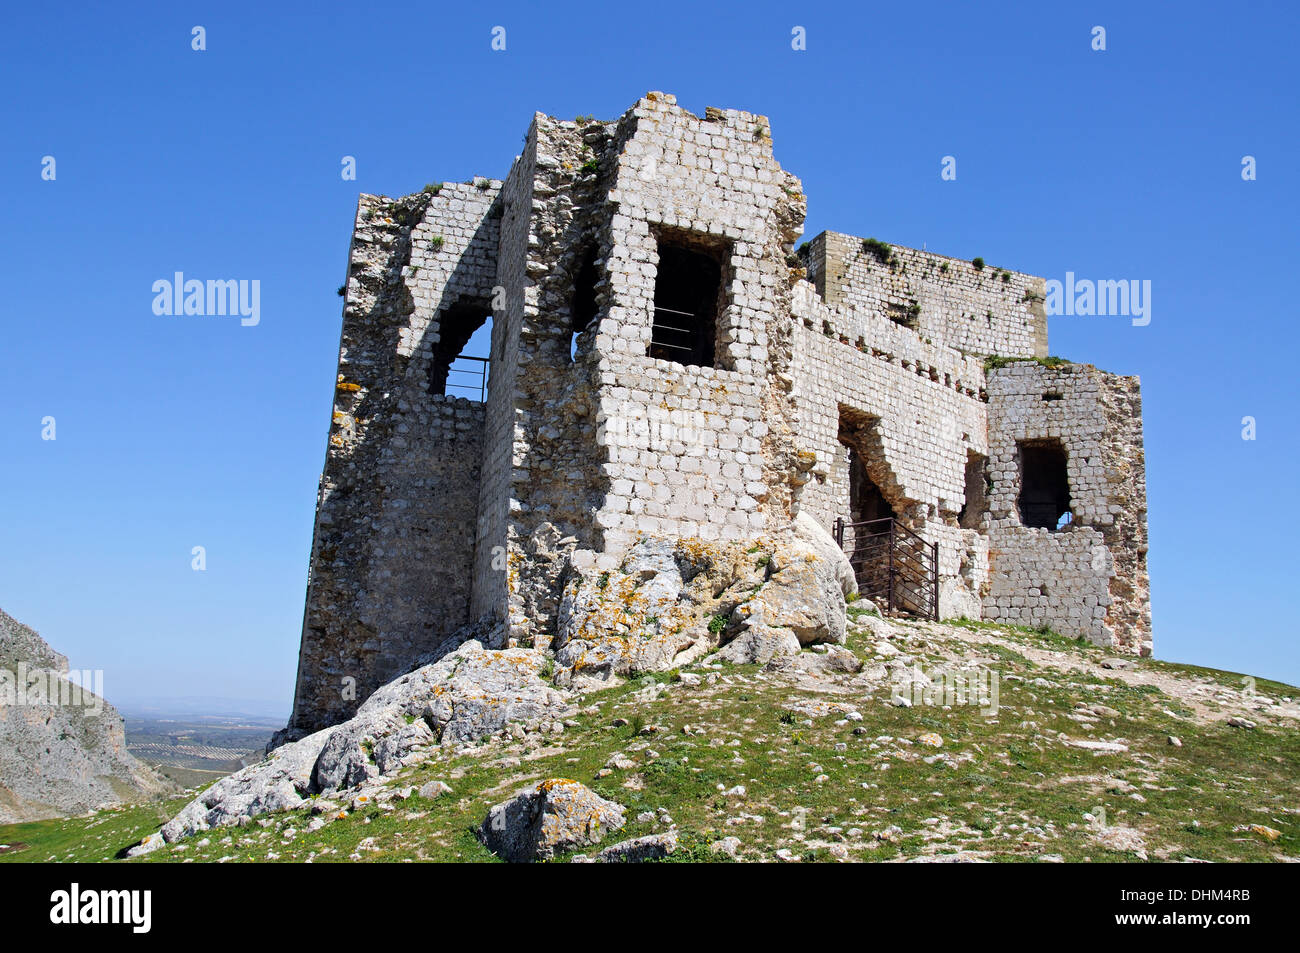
(663,362)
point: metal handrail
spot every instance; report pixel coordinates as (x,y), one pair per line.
(911,563)
(658,341)
(480,375)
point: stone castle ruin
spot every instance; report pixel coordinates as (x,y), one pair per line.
(665,365)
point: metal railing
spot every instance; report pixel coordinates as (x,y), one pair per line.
(468,381)
(657,340)
(892,564)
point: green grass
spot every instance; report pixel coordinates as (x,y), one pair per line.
(881,251)
(82,839)
(817,783)
(996,361)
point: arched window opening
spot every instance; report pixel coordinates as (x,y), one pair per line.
(460,358)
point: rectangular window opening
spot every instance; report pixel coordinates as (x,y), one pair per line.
(1044,500)
(689,297)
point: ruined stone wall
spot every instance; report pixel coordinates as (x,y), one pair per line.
(1123,456)
(924,404)
(498,474)
(690,449)
(946,300)
(394,536)
(436,511)
(965,569)
(558,221)
(1089,577)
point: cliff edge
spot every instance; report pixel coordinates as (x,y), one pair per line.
(62,748)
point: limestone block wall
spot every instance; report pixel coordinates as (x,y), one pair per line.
(691,450)
(394,536)
(501,456)
(1089,577)
(684,457)
(947,300)
(928,415)
(541,500)
(927,399)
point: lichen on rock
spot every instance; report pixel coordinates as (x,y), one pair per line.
(672,600)
(554,815)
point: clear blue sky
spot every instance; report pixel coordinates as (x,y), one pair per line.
(174,432)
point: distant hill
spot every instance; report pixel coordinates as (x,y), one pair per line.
(62,750)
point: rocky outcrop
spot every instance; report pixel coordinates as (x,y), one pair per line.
(62,749)
(279,783)
(467,695)
(638,850)
(801,604)
(825,660)
(555,815)
(671,601)
(811,534)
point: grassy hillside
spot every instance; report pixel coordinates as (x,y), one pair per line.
(779,760)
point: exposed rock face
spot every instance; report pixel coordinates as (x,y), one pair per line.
(833,661)
(62,750)
(463,697)
(555,815)
(280,783)
(670,601)
(802,604)
(20,644)
(810,533)
(470,694)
